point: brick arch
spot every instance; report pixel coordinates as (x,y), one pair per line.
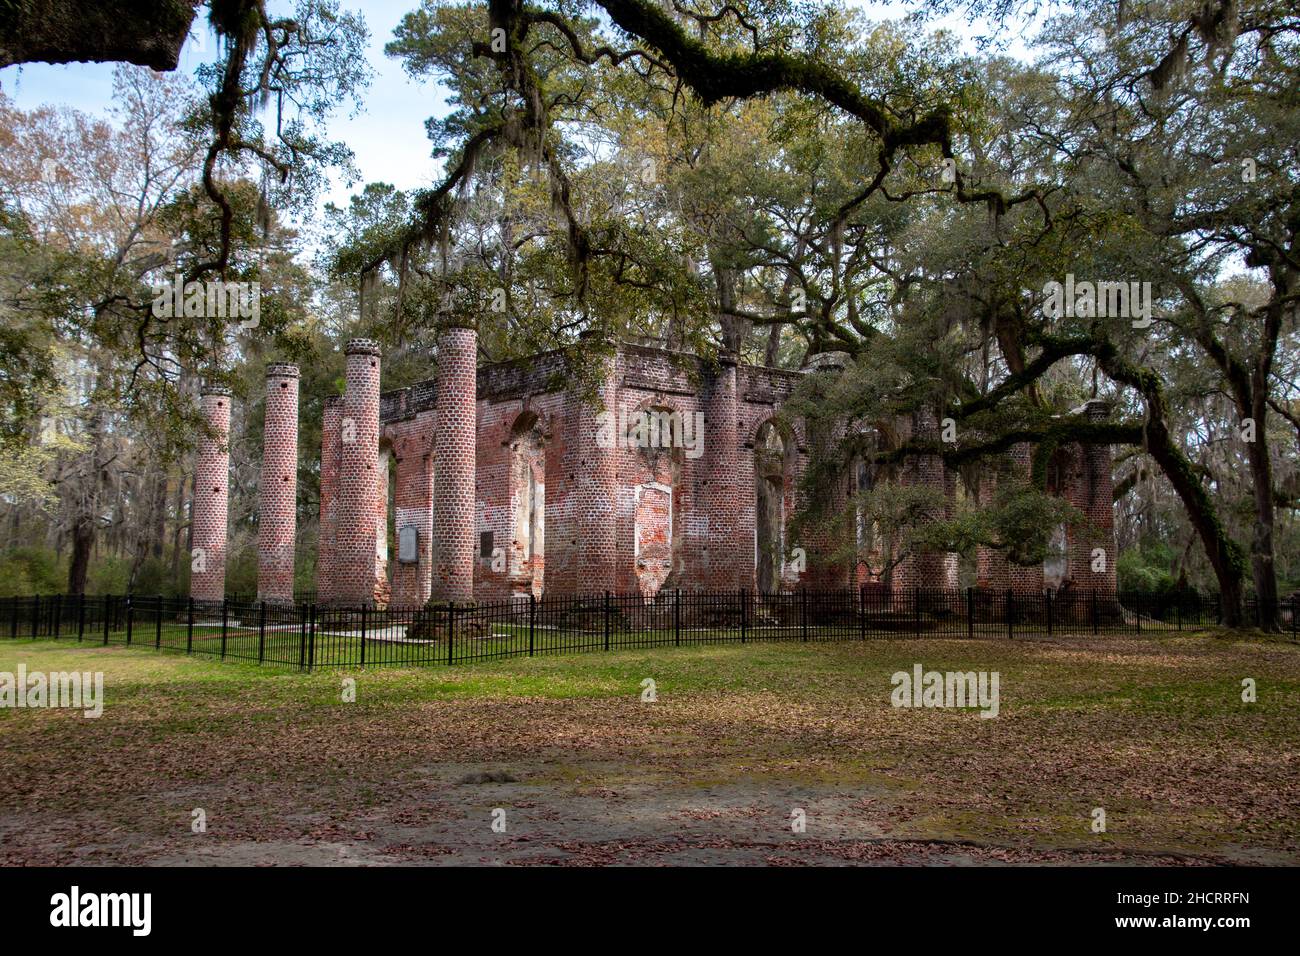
(530,418)
(409,444)
(656,479)
(528,438)
(774,498)
(874,553)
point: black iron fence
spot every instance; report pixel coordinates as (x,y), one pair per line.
(309,635)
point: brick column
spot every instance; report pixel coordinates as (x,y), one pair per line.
(926,569)
(595,493)
(990,563)
(731,559)
(331,421)
(582,507)
(1094,496)
(382,590)
(354,547)
(822,540)
(277,520)
(1024,579)
(455,450)
(211,498)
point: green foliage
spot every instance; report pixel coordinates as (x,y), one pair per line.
(1147,568)
(32,570)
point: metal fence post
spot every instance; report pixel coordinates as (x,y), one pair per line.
(130,617)
(606,620)
(311,639)
(36,613)
(744,592)
(970,612)
(363,635)
(261,632)
(1137,613)
(451,632)
(13,617)
(1011,633)
(1047,597)
(803,611)
(81,615)
(225,617)
(862,612)
(157,625)
(1096,624)
(302,637)
(532,614)
(58,614)
(677,618)
(189,625)
(107,598)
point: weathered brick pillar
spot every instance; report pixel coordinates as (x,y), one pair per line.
(383,589)
(926,569)
(597,491)
(211,498)
(990,563)
(277,521)
(731,560)
(455,451)
(331,422)
(354,546)
(1094,496)
(823,543)
(1024,579)
(582,533)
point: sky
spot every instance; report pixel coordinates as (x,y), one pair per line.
(387,136)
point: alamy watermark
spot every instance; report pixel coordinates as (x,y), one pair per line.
(75,908)
(1100,300)
(953,689)
(214,299)
(652,428)
(82,691)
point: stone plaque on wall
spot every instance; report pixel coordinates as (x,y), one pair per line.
(408,544)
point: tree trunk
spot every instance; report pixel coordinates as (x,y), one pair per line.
(1263,568)
(83,542)
(1224,554)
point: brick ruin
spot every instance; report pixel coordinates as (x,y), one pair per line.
(507,481)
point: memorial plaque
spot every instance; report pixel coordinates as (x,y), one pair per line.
(408,544)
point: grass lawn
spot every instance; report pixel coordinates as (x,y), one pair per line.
(1153,730)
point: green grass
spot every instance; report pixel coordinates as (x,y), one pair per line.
(1153,729)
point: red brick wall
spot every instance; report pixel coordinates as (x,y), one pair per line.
(277,518)
(624,518)
(412,447)
(211,498)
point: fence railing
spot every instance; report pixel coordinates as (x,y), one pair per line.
(308,635)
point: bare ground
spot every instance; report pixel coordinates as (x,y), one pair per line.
(714,772)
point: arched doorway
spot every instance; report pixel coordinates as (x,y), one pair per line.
(772,464)
(527,559)
(656,477)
